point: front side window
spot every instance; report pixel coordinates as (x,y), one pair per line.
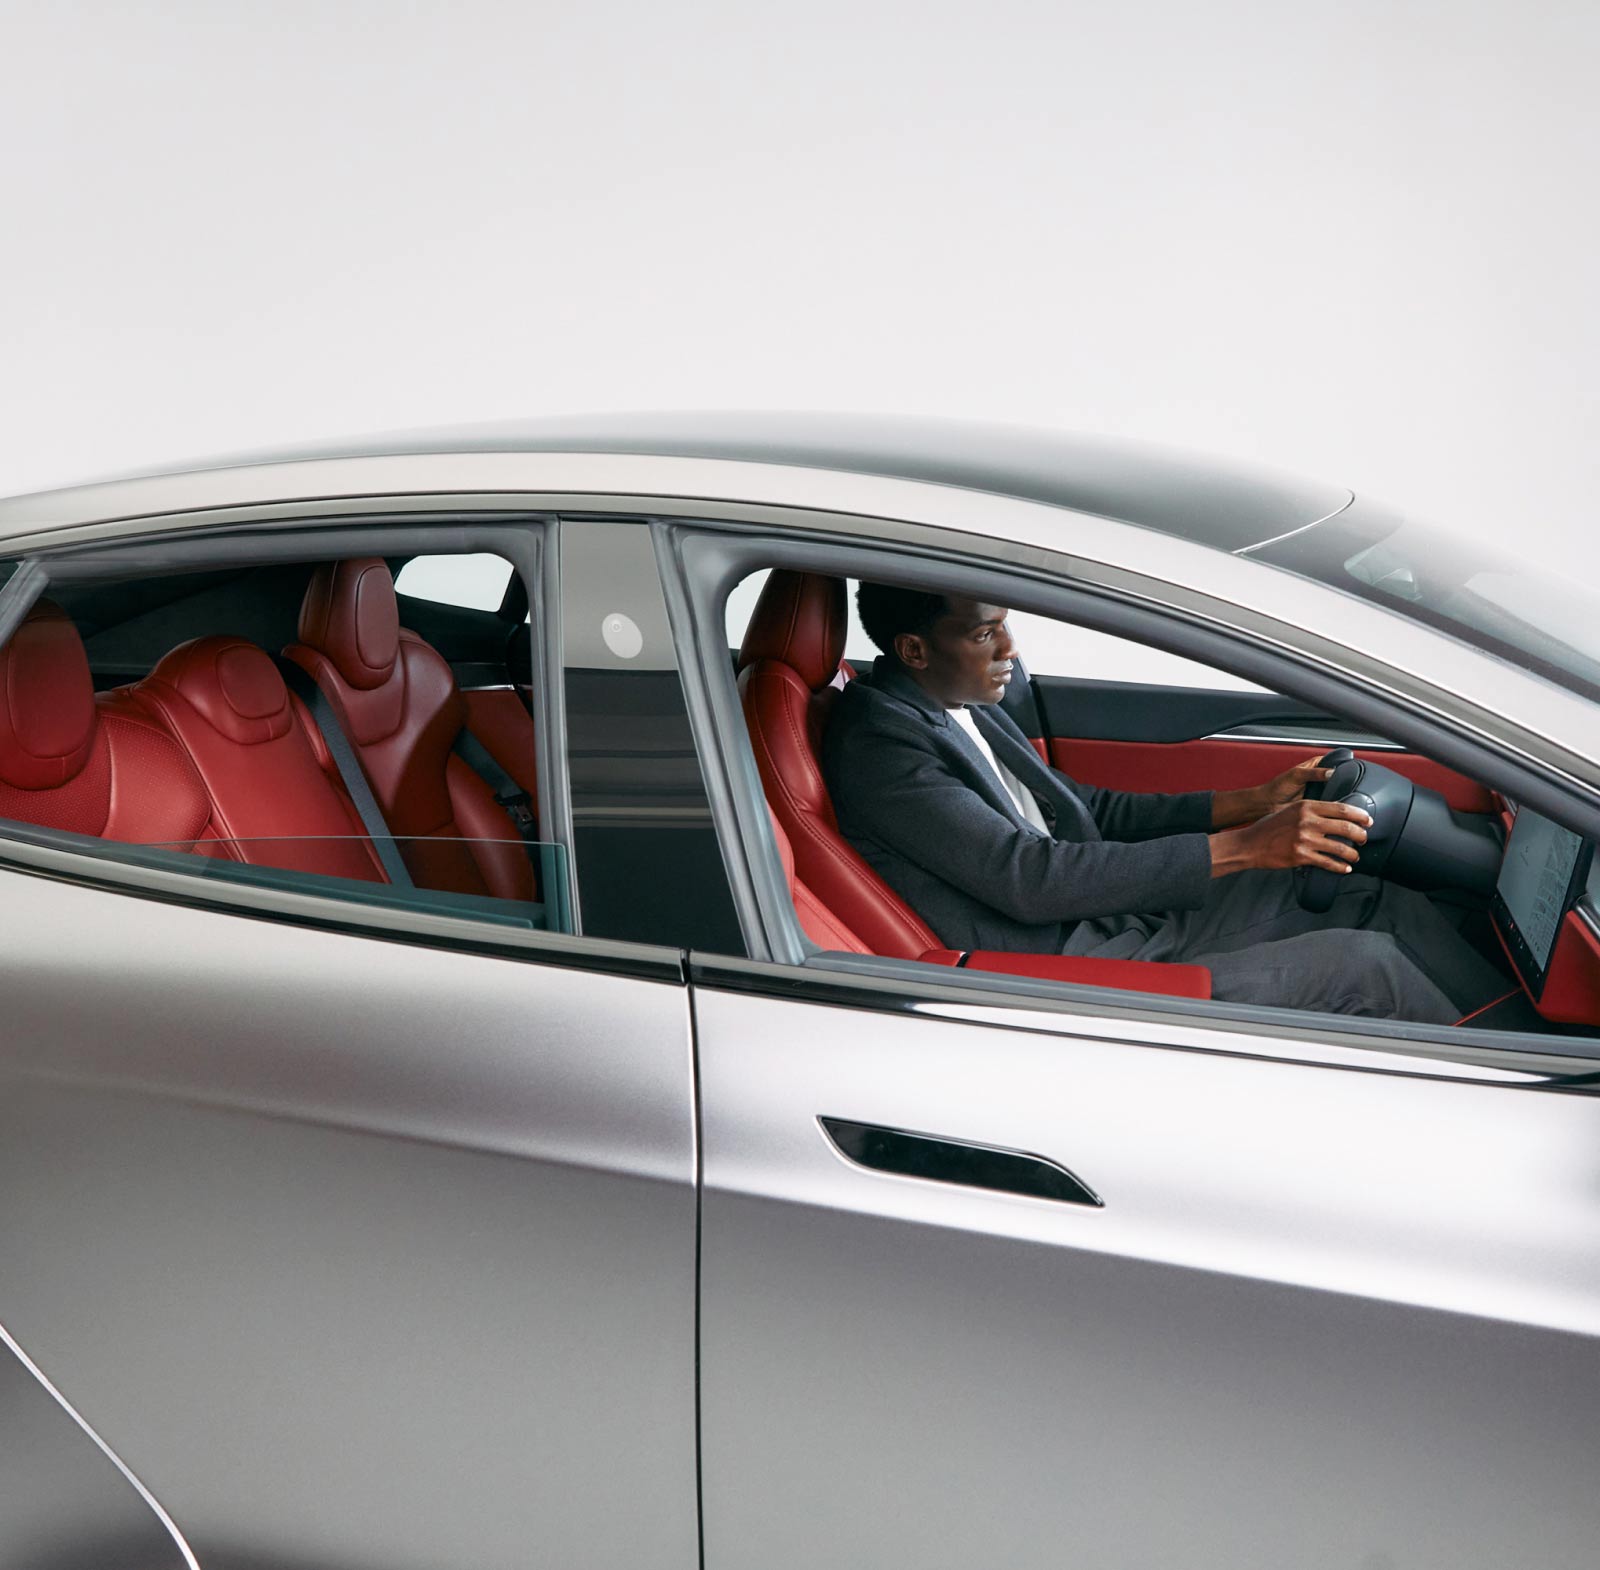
(1047,646)
(1168,839)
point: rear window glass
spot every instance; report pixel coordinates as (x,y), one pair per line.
(474,582)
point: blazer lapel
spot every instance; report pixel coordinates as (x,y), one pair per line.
(1069,818)
(888,678)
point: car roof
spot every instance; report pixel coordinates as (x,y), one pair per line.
(1227,505)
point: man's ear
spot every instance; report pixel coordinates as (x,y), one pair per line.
(911,651)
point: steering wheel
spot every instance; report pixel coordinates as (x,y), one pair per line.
(1387,799)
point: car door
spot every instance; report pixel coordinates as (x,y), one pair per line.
(363,1236)
(993,1277)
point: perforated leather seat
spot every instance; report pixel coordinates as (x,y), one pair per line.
(89,766)
(791,655)
(271,792)
(398,702)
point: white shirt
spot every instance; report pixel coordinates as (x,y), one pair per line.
(1018,792)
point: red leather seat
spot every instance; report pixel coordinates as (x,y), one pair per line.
(271,794)
(1126,975)
(402,711)
(789,659)
(71,761)
(788,662)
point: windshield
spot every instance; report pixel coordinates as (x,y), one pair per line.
(1514,608)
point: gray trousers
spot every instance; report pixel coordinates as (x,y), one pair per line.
(1382,950)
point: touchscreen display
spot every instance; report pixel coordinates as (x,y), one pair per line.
(1536,880)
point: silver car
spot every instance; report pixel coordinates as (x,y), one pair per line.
(446,1120)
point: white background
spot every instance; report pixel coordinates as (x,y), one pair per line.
(1357,240)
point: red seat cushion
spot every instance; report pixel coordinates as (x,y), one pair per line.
(398,702)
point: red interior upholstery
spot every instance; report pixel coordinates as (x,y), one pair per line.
(1572,983)
(224,701)
(498,717)
(70,762)
(790,657)
(399,705)
(816,921)
(1130,975)
(1223,764)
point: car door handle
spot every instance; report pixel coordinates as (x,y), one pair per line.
(940,1160)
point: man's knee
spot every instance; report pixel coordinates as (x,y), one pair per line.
(1372,975)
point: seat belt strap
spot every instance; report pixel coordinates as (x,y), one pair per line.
(301,684)
(508,795)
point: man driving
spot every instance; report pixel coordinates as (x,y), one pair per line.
(944,796)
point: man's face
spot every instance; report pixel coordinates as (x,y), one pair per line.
(965,657)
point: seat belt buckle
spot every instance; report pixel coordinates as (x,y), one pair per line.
(521,814)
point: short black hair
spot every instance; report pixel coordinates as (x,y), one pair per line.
(887,611)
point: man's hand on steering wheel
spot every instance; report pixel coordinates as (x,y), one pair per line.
(1299,834)
(1230,807)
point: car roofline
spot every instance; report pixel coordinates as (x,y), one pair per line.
(1223,504)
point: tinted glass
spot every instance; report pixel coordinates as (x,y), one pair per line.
(646,854)
(1520,609)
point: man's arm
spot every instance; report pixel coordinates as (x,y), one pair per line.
(899,794)
(1230,807)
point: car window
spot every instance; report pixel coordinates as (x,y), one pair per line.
(1048,647)
(246,725)
(1057,648)
(1173,775)
(474,581)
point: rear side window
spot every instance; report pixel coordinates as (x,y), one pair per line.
(276,728)
(474,582)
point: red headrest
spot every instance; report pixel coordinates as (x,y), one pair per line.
(800,621)
(233,685)
(351,615)
(47,716)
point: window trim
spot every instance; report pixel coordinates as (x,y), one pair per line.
(527,539)
(702,560)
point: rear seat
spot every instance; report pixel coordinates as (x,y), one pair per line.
(397,700)
(85,765)
(270,794)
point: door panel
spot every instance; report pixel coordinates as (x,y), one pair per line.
(1327,1317)
(360,1254)
(1128,736)
(1219,763)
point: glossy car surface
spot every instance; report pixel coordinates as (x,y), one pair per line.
(608,1197)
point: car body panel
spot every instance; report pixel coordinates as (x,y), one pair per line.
(1315,1302)
(358,1253)
(65,1500)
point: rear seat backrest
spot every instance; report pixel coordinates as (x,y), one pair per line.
(397,699)
(224,701)
(69,761)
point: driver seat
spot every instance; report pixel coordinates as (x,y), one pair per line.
(789,668)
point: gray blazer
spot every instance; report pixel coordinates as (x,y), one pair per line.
(922,805)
